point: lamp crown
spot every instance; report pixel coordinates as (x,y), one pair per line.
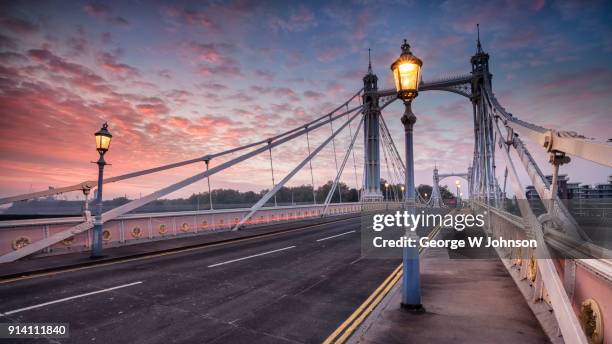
(104,130)
(406,48)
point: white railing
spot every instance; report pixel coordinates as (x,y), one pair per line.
(131,229)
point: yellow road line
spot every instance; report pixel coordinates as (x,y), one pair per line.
(369,309)
(155,255)
(363,305)
(359,315)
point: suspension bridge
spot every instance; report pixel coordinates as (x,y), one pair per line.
(311,251)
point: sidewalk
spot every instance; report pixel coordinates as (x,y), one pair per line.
(79,259)
(466,301)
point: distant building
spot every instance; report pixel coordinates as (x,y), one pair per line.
(567,190)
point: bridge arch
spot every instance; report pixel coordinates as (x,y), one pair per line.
(436,197)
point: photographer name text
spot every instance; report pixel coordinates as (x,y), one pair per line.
(453,244)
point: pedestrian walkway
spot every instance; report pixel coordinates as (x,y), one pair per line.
(466,301)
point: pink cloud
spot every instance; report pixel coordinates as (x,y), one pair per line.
(330,53)
(207,52)
(190,17)
(18,25)
(264,74)
(102,11)
(224,70)
(312,95)
(153,110)
(299,19)
(109,62)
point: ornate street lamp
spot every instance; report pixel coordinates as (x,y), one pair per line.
(458,184)
(387,191)
(103,139)
(407,74)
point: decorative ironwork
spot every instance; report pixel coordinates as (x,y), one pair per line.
(591,321)
(106,235)
(21,242)
(136,232)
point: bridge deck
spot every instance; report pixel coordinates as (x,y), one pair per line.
(467,301)
(79,259)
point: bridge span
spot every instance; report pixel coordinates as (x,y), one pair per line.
(298,273)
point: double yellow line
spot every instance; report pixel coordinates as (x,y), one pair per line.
(346,329)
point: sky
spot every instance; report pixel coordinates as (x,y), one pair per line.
(177,80)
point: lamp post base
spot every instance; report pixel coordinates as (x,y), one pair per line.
(414,309)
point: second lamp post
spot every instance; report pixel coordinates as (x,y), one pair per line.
(103,139)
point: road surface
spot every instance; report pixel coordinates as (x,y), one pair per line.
(295,287)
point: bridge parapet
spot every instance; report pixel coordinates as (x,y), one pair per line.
(131,229)
(587,282)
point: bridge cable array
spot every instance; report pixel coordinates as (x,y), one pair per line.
(269,194)
(331,126)
(134,204)
(91,184)
(357,186)
(314,193)
(272,172)
(207,161)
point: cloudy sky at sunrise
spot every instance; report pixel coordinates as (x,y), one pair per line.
(178,80)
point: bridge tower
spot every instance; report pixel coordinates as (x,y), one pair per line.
(483,166)
(436,198)
(371,169)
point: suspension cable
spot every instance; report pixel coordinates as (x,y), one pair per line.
(134,204)
(396,169)
(331,125)
(272,170)
(89,184)
(387,150)
(384,149)
(397,164)
(353,153)
(314,196)
(208,181)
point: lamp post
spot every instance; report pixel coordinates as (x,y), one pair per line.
(458,185)
(103,139)
(407,76)
(402,195)
(387,191)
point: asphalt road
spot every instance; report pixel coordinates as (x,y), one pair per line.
(295,287)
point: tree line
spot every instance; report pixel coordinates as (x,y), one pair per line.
(221,199)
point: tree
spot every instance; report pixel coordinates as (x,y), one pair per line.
(348,195)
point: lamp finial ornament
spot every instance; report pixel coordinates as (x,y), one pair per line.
(478,45)
(406,47)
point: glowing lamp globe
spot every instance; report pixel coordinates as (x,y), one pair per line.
(407,73)
(103,139)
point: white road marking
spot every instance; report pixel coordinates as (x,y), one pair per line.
(337,235)
(68,298)
(248,257)
(356,260)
